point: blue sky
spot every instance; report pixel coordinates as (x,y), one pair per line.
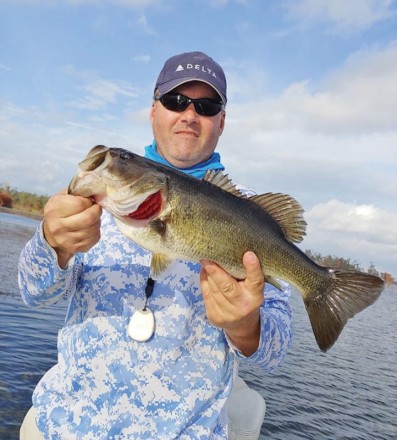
(312,89)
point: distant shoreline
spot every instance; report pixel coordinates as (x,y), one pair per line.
(22,213)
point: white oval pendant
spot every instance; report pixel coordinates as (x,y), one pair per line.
(141,325)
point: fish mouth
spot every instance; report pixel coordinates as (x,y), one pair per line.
(149,208)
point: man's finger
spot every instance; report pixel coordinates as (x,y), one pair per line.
(219,280)
(254,275)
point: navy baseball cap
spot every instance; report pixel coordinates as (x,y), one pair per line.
(191,66)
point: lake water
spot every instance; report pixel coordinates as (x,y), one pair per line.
(348,393)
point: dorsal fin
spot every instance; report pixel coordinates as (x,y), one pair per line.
(287,212)
(222,181)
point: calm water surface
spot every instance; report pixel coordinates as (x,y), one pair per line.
(348,393)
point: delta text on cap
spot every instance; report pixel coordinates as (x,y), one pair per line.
(191,66)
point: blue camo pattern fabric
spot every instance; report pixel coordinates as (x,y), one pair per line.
(108,386)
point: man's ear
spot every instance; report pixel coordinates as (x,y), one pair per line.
(222,123)
(152,111)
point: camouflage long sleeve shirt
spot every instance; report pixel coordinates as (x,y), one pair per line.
(108,386)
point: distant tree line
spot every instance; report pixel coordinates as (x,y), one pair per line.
(22,200)
(338,262)
(347,264)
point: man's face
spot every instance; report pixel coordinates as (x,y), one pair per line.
(187,138)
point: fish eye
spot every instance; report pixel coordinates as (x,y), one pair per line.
(125,156)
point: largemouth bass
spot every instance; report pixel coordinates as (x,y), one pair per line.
(176,216)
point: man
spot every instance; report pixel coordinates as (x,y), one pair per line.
(107,384)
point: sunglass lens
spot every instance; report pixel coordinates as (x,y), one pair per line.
(175,103)
(206,107)
(179,103)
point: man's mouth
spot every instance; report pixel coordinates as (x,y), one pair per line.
(187,133)
(149,208)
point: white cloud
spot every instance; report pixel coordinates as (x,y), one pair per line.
(143,24)
(364,233)
(98,93)
(364,219)
(45,153)
(348,16)
(359,98)
(333,136)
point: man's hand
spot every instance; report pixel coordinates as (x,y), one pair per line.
(71,224)
(234,305)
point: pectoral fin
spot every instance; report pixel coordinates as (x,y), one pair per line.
(159,264)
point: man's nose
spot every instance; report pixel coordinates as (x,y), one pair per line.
(189,114)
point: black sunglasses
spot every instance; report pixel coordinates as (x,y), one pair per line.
(179,103)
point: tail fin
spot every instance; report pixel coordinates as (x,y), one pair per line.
(349,293)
